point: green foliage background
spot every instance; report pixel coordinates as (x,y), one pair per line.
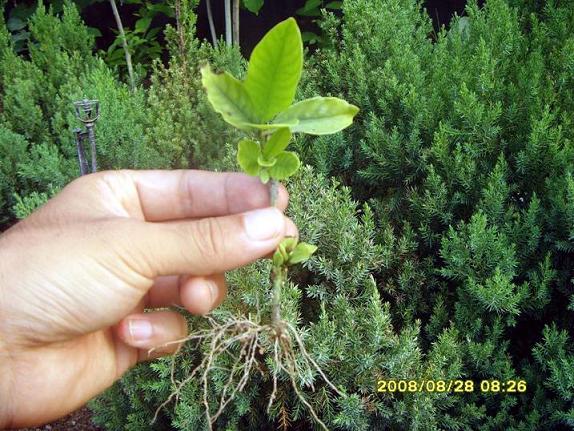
(444,217)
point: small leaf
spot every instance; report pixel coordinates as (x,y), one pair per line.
(94,32)
(282,251)
(336,5)
(228,97)
(266,163)
(310,7)
(253,6)
(289,243)
(286,165)
(264,175)
(142,24)
(277,259)
(275,69)
(247,155)
(319,115)
(277,143)
(14,24)
(302,252)
(310,37)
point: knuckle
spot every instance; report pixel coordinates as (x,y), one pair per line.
(209,239)
(186,190)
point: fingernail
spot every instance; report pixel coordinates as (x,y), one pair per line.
(264,224)
(140,330)
(213,290)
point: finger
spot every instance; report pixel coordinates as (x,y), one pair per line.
(158,330)
(166,290)
(198,295)
(208,246)
(181,194)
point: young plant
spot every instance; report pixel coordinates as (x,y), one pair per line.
(262,107)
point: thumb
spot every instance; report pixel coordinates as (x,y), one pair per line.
(207,246)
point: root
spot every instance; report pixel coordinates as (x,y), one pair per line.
(243,340)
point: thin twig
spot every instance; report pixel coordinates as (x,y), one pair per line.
(236,22)
(124,44)
(211,23)
(228,39)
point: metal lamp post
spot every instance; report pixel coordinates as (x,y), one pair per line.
(88,112)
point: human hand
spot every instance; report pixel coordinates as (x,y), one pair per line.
(76,276)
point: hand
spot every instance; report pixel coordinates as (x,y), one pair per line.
(76,276)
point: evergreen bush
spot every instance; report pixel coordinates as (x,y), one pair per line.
(446,241)
(459,263)
(167,125)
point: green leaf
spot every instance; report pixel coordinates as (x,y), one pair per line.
(94,32)
(282,251)
(273,126)
(286,165)
(247,155)
(310,37)
(319,115)
(336,5)
(14,24)
(289,243)
(277,143)
(264,175)
(277,259)
(161,8)
(311,8)
(228,97)
(275,69)
(266,163)
(302,252)
(253,6)
(142,24)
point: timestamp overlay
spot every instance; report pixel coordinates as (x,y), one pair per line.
(452,386)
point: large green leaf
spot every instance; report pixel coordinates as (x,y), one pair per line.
(275,69)
(277,143)
(228,96)
(286,165)
(247,155)
(319,115)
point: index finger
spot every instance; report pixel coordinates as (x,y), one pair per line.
(180,194)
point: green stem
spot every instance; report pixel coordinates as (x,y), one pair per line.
(279,275)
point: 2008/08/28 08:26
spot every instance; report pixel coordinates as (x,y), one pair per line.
(456,386)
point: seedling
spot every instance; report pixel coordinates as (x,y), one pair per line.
(262,107)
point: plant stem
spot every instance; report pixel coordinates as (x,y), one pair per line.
(228,39)
(273,192)
(124,44)
(179,28)
(211,24)
(236,22)
(279,275)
